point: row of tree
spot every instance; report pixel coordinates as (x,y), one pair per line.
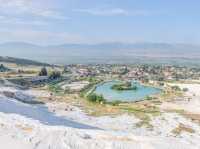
(52,75)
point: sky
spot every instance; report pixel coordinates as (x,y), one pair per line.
(47,22)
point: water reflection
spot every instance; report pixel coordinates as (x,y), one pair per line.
(38,112)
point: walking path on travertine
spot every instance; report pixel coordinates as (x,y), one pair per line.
(191,102)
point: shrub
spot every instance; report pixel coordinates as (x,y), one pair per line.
(176,88)
(185,89)
(96,98)
(43,72)
(149,98)
(55,75)
(116,103)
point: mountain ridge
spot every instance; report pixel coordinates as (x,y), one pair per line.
(101,52)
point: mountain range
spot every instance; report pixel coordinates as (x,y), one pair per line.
(103,52)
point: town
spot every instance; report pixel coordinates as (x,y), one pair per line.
(81,79)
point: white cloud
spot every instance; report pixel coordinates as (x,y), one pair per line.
(103,12)
(51,14)
(18,21)
(113,12)
(29,7)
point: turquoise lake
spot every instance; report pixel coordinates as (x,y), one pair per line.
(126,96)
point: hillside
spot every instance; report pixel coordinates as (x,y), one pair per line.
(20,61)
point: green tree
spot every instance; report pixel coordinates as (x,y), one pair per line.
(96,98)
(185,89)
(55,75)
(176,88)
(43,72)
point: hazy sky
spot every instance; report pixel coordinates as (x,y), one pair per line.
(92,21)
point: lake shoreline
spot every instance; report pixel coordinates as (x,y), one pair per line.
(121,100)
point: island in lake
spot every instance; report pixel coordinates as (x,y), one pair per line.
(124,86)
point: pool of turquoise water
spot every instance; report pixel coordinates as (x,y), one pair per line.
(127,95)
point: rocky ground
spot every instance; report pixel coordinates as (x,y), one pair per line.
(178,127)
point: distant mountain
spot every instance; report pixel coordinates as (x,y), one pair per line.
(18,45)
(21,61)
(100,53)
